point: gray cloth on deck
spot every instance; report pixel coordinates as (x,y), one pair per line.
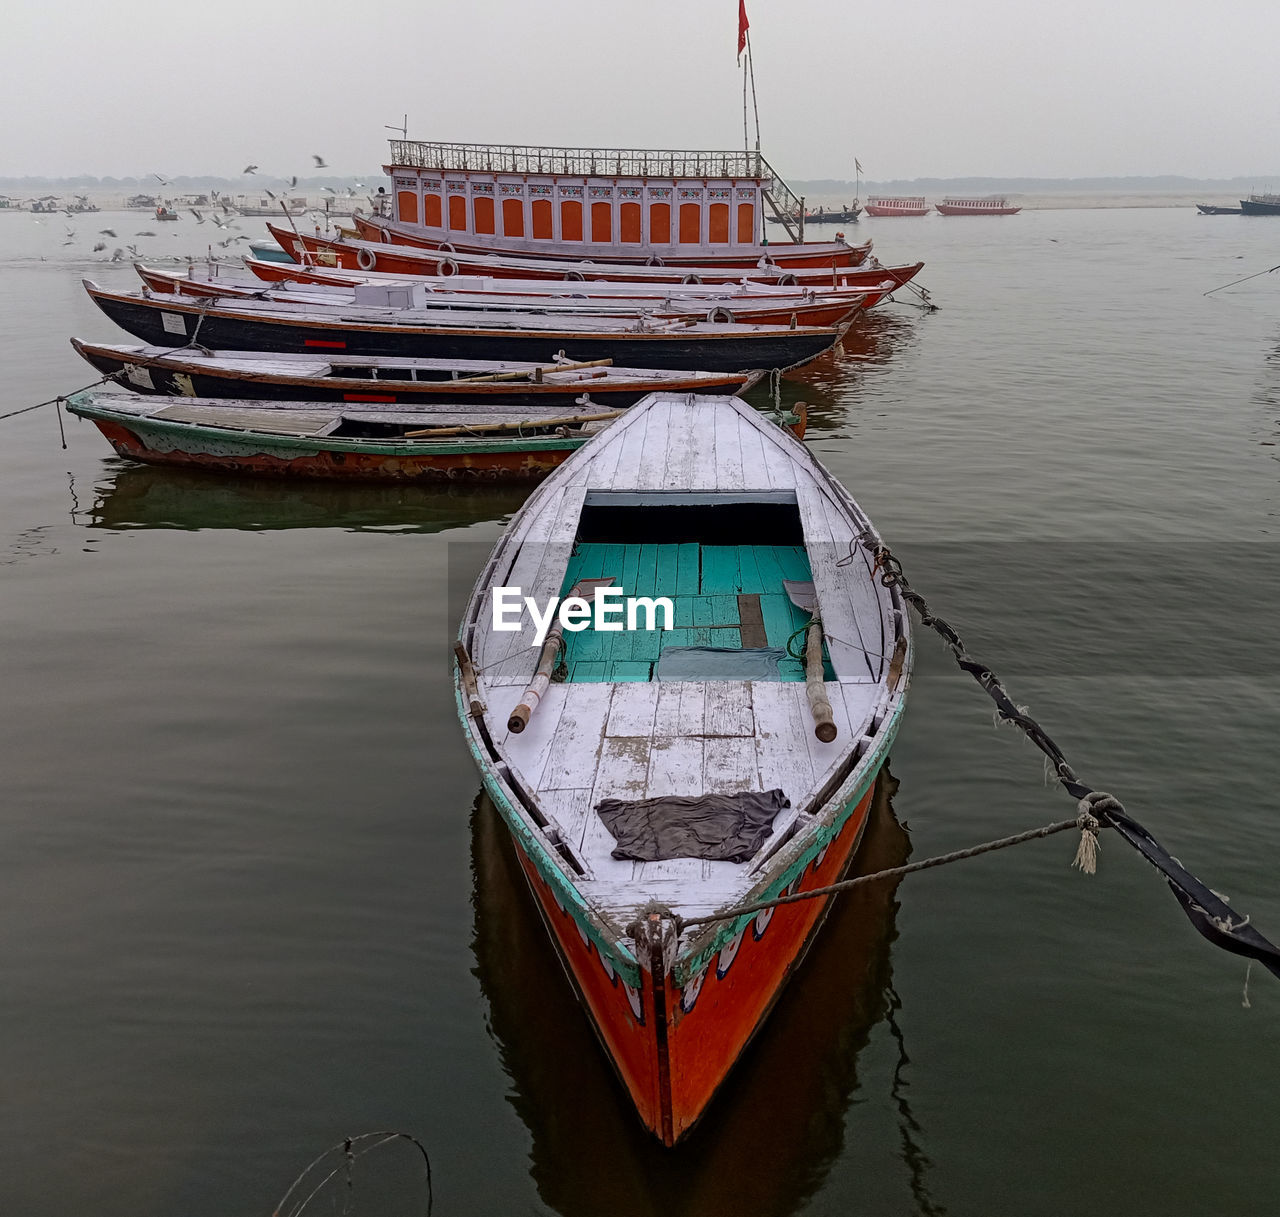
(724,827)
(719,663)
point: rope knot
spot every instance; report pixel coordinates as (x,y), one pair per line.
(1087,851)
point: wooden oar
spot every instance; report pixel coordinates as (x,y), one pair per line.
(516,424)
(535,373)
(805,597)
(519,720)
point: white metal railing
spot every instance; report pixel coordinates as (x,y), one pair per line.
(606,162)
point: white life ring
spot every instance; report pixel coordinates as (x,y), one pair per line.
(654,260)
(446,266)
(446,247)
(787,280)
(366,259)
(691,279)
(720,313)
(574,276)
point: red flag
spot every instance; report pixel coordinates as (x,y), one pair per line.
(743,26)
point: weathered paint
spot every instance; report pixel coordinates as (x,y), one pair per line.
(722,984)
(282,456)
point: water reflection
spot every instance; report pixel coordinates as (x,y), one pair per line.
(768,1140)
(833,384)
(145,496)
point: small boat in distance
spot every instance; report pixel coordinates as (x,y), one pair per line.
(165,212)
(991,205)
(1207,209)
(837,215)
(347,443)
(1261,205)
(884,205)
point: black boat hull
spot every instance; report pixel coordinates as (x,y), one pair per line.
(174,323)
(150,378)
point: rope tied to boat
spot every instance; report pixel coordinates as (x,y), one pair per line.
(62,397)
(1083,821)
(1207,910)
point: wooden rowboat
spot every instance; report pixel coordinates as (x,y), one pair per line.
(714,706)
(406,260)
(791,256)
(430,443)
(255,325)
(868,277)
(806,308)
(371,380)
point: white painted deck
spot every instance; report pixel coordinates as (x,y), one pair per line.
(634,740)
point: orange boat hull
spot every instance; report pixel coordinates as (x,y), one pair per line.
(673,1047)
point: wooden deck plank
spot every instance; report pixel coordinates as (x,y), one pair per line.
(630,444)
(728,709)
(728,466)
(632,710)
(729,763)
(528,751)
(651,471)
(688,569)
(720,574)
(575,748)
(750,622)
(688,439)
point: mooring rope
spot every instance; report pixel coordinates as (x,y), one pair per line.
(1224,286)
(1085,822)
(110,376)
(1207,911)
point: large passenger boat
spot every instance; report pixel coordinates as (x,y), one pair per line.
(609,204)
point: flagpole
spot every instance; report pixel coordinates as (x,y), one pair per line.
(746,142)
(751,66)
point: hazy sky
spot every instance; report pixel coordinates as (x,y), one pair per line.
(924,88)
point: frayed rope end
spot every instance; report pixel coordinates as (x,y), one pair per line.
(1087,851)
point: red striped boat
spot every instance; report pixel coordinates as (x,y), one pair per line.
(403,260)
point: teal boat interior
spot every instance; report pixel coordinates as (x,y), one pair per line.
(732,618)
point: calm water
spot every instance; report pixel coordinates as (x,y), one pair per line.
(250,901)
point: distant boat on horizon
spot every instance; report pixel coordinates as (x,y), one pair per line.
(1207,209)
(1261,205)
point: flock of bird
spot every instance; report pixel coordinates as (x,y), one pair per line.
(223,217)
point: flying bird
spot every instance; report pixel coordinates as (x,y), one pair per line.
(330,189)
(321,163)
(133,249)
(198,216)
(101,245)
(163,181)
(249,169)
(293,182)
(106,232)
(144,234)
(117,255)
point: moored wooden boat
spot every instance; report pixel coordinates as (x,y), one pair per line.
(811,254)
(432,443)
(398,260)
(806,308)
(711,707)
(373,380)
(254,325)
(991,205)
(885,205)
